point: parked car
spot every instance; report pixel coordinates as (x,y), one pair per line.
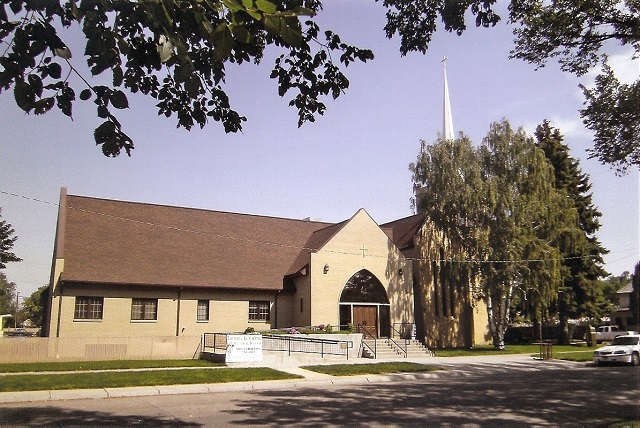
(21,332)
(622,349)
(606,333)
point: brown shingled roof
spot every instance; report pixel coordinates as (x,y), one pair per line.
(316,241)
(107,241)
(404,229)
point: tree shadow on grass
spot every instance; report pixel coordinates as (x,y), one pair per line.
(507,399)
(56,416)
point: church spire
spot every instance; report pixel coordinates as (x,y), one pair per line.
(447,129)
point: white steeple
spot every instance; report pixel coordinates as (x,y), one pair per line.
(447,129)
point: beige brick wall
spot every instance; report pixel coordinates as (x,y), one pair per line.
(303,291)
(319,293)
(228,312)
(466,324)
(344,256)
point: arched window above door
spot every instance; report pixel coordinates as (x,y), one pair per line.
(364,287)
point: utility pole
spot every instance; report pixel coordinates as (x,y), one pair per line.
(15,320)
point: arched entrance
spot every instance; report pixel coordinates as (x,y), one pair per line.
(365,304)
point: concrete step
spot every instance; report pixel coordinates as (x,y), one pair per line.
(385,349)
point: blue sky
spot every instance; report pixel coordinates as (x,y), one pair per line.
(356,155)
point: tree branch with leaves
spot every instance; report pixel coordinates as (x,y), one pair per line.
(7,239)
(173,51)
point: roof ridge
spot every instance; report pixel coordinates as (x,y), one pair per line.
(150,204)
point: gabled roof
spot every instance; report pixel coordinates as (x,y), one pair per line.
(115,242)
(316,241)
(627,288)
(404,229)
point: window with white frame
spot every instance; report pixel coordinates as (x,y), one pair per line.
(259,310)
(144,309)
(203,310)
(88,308)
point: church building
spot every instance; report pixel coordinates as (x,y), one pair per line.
(133,269)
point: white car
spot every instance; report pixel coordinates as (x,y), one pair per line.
(622,349)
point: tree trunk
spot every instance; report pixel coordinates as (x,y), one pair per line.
(498,313)
(564,338)
(537,330)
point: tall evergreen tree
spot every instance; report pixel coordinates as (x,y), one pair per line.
(582,257)
(634,300)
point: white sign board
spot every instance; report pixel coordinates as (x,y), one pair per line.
(244,348)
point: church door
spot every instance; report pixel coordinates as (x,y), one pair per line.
(367,318)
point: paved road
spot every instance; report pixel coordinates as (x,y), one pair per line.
(478,392)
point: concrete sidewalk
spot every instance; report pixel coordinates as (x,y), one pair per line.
(290,365)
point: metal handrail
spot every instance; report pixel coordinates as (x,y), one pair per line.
(397,345)
(362,329)
(432,338)
(327,346)
(374,350)
(212,342)
(402,324)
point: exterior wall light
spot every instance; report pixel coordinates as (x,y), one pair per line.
(326,268)
(400,272)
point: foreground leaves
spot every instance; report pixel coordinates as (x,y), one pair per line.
(173,51)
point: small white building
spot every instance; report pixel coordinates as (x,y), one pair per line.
(2,318)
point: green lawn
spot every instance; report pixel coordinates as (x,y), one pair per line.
(116,379)
(376,368)
(580,356)
(102,365)
(559,351)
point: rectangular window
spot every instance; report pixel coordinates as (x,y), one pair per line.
(144,309)
(88,308)
(259,311)
(203,310)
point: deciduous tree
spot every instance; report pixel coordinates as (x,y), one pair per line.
(500,204)
(7,296)
(33,307)
(173,51)
(176,52)
(7,239)
(574,32)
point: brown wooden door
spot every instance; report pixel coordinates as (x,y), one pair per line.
(367,318)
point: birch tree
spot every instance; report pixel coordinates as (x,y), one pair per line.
(528,221)
(499,203)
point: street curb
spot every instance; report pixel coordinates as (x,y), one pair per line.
(144,391)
